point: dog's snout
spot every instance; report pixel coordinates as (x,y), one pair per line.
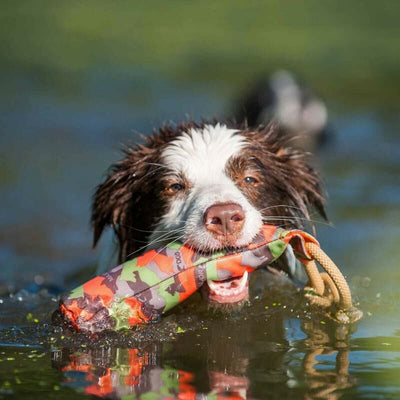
(225,219)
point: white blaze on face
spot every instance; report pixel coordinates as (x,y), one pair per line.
(201,156)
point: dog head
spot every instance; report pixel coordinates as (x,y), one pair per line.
(209,186)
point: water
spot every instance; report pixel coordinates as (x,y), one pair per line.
(62,119)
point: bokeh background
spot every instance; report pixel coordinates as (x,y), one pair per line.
(78,78)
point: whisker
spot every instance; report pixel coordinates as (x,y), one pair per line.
(158,239)
(281,206)
(295,218)
(161,237)
(150,231)
(169,243)
(164,236)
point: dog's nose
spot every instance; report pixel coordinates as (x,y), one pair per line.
(224,219)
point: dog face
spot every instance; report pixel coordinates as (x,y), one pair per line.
(208,186)
(206,205)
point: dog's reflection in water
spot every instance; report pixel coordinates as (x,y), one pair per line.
(222,361)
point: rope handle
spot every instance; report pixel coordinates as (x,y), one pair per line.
(328,289)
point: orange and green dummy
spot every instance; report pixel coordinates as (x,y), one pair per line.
(141,289)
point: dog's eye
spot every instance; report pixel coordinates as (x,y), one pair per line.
(174,188)
(250,180)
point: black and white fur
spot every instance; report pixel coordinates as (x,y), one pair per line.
(161,190)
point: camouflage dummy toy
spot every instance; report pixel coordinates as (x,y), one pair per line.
(140,290)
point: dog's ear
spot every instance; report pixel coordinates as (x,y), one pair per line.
(117,200)
(301,180)
(292,185)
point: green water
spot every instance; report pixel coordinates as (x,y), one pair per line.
(79,78)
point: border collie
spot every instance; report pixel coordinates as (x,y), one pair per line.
(210,186)
(284,98)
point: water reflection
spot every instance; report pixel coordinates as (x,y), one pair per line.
(121,372)
(325,383)
(217,361)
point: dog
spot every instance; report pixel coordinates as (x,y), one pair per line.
(209,185)
(285,98)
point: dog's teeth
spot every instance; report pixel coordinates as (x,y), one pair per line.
(213,286)
(217,289)
(243,282)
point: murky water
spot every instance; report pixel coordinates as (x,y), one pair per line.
(54,153)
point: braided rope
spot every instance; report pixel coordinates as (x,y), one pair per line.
(345,301)
(334,293)
(314,277)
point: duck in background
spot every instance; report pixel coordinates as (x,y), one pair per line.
(291,104)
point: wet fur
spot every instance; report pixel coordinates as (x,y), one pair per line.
(131,198)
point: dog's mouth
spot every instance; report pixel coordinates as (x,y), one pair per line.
(231,290)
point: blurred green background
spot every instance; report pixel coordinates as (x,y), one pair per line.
(349,51)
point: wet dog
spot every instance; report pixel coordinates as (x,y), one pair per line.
(210,186)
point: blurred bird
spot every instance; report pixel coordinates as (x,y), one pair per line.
(296,109)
